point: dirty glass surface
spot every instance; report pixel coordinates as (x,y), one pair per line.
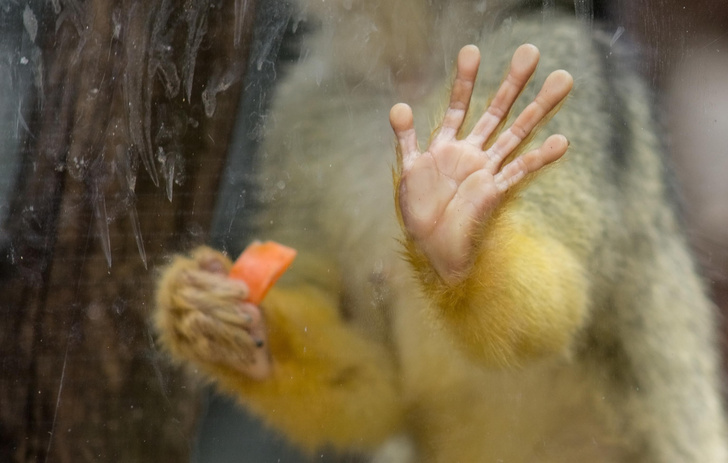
(129,132)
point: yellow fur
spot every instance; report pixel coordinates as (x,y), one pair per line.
(524,297)
(329,385)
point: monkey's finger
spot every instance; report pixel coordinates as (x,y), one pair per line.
(217,285)
(240,316)
(192,299)
(462,90)
(552,149)
(554,90)
(402,122)
(523,64)
(211,260)
(199,326)
(213,342)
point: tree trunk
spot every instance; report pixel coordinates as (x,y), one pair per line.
(120,161)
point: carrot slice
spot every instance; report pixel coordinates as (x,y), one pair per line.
(260,266)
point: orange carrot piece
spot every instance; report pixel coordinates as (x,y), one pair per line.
(260,266)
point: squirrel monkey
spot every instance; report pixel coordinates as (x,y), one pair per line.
(519,303)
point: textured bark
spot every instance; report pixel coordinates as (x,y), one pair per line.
(80,376)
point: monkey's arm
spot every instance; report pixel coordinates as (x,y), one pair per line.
(293,361)
(506,290)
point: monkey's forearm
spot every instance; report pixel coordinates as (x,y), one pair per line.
(524,296)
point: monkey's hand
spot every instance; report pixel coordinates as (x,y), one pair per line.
(295,363)
(202,316)
(446,193)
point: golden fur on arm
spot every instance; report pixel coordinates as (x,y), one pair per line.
(524,296)
(330,386)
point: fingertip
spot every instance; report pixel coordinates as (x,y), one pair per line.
(555,146)
(210,260)
(469,58)
(567,77)
(561,80)
(240,285)
(525,59)
(528,48)
(400,117)
(469,50)
(251,312)
(557,140)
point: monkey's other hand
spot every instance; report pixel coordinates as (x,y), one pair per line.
(451,188)
(202,316)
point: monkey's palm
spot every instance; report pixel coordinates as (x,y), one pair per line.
(446,191)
